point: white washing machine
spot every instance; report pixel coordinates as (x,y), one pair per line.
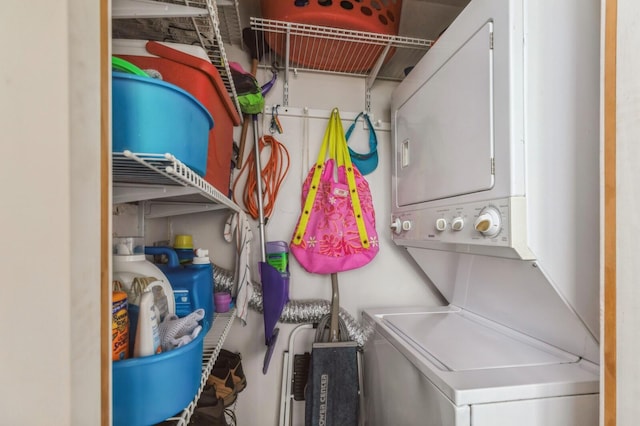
(495,195)
(446,367)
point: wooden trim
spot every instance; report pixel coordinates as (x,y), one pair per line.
(609,230)
(105,217)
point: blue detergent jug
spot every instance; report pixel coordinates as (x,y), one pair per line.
(192,283)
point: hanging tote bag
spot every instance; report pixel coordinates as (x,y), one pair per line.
(336,230)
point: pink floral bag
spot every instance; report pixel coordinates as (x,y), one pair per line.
(336,230)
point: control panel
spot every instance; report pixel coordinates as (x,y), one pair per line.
(484,223)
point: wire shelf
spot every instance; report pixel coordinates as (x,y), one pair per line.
(335,50)
(205,31)
(213,342)
(164,170)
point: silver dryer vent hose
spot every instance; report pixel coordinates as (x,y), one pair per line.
(295,311)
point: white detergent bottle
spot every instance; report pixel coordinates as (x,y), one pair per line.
(147,332)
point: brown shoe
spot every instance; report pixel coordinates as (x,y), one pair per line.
(222,380)
(232,361)
(211,415)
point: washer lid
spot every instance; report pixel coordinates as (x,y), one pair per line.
(457,341)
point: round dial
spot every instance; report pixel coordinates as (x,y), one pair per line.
(488,222)
(457,224)
(441,224)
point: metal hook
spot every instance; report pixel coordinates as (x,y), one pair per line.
(275,126)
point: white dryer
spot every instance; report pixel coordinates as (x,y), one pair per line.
(495,195)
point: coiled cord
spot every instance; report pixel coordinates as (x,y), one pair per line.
(273,173)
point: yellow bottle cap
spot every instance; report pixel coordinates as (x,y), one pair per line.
(183,242)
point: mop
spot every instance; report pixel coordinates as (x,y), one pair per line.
(275,288)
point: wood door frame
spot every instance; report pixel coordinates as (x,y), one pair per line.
(609,230)
(105,209)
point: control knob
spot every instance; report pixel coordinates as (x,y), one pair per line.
(488,222)
(441,224)
(457,224)
(396,226)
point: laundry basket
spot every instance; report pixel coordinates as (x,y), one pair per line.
(334,50)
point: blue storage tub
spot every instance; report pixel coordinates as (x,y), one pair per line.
(150,389)
(154,117)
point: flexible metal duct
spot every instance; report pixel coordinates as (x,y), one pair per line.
(295,311)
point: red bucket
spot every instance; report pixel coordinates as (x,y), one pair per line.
(334,52)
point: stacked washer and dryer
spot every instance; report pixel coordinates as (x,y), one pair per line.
(495,194)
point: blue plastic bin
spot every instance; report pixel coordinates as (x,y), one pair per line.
(154,117)
(150,389)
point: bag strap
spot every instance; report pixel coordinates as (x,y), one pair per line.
(335,144)
(345,159)
(315,181)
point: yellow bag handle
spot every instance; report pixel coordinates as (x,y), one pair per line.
(335,143)
(345,159)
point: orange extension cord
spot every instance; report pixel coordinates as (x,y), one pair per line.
(274,171)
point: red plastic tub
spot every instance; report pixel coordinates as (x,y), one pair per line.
(201,79)
(371,16)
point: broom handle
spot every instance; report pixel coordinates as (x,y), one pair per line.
(335,309)
(245,123)
(256,143)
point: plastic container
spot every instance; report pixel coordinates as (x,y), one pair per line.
(155,117)
(192,283)
(148,390)
(119,326)
(147,328)
(278,256)
(190,68)
(121,65)
(373,16)
(183,246)
(129,262)
(222,301)
(126,246)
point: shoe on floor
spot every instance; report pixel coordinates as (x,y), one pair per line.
(208,397)
(232,361)
(212,415)
(222,380)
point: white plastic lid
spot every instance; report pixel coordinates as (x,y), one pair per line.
(201,256)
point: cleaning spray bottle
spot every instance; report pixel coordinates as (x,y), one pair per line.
(147,332)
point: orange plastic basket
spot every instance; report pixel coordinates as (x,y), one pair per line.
(334,52)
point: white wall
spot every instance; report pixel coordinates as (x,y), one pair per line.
(628,203)
(49,297)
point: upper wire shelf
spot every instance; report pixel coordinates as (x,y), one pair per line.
(219,21)
(131,170)
(335,50)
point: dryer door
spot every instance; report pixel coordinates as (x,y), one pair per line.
(445,136)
